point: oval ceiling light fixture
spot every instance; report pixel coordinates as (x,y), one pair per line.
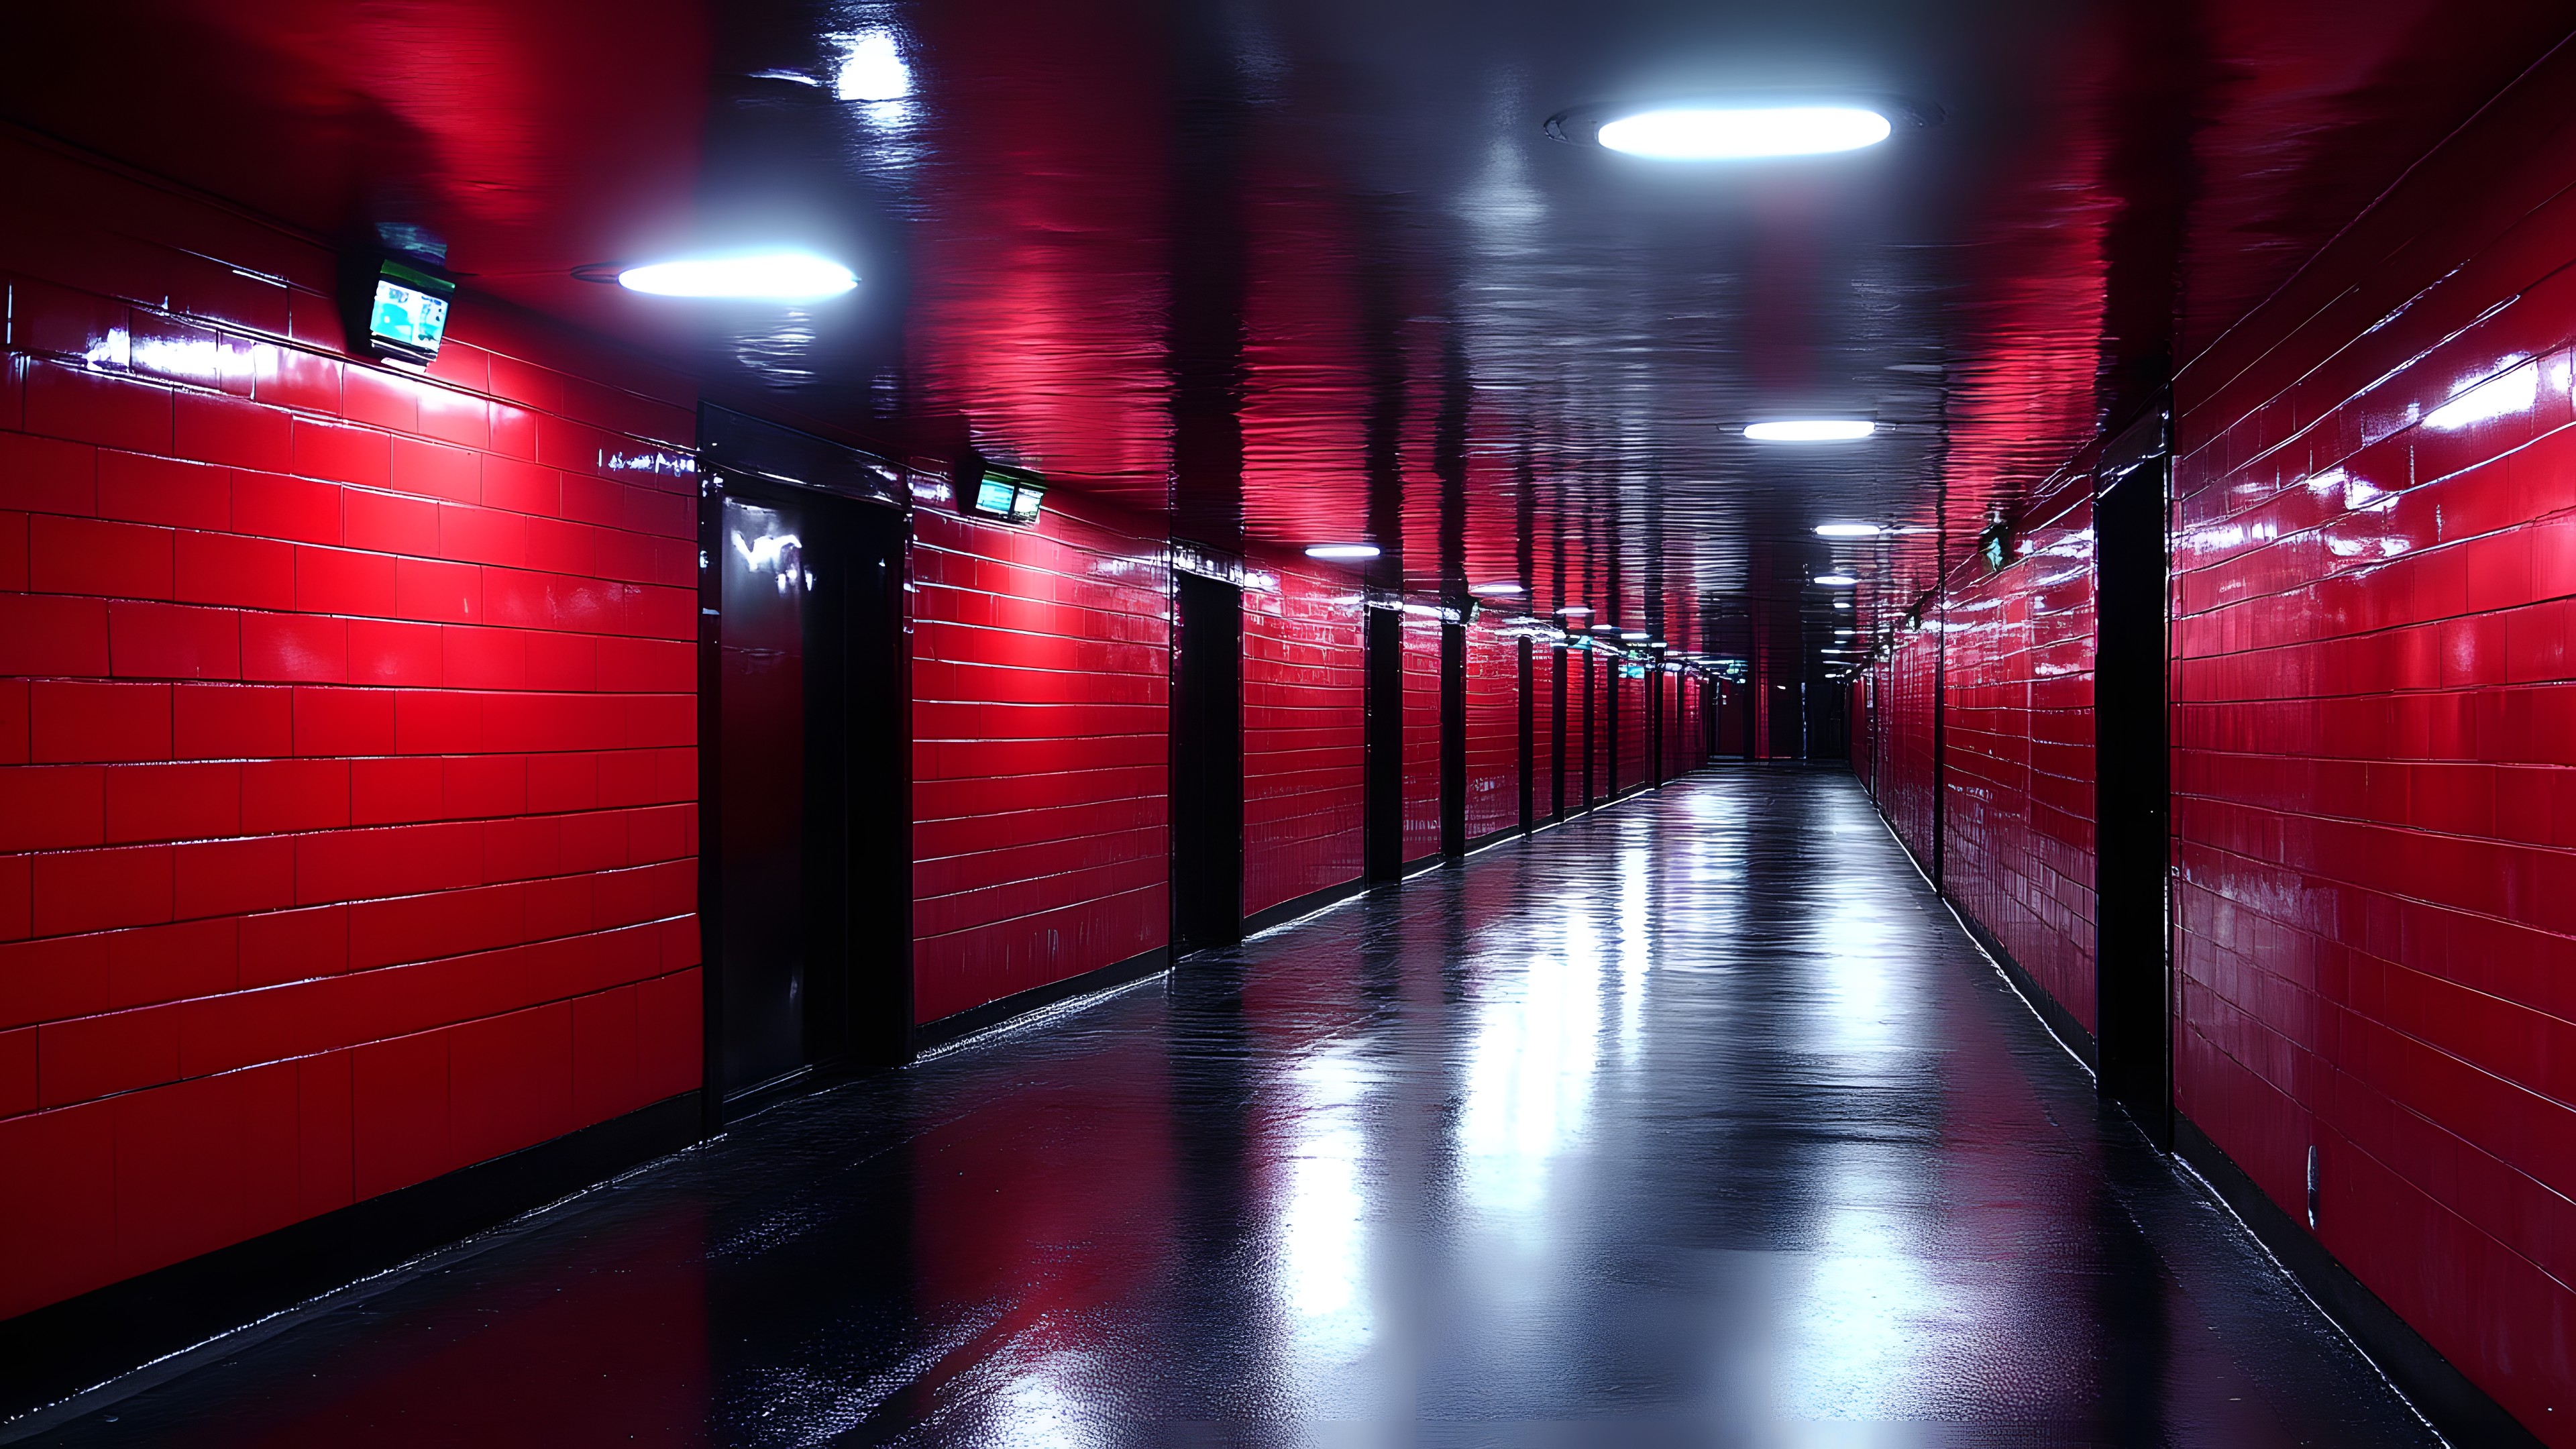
(1836,581)
(1742,127)
(1743,133)
(1810,430)
(1848,530)
(1342,551)
(755,276)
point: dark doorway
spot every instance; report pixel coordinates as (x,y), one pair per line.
(1207,763)
(2132,1034)
(1453,740)
(810,904)
(1383,840)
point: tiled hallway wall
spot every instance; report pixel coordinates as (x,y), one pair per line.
(2018,745)
(2373,554)
(1305,747)
(1041,734)
(1902,734)
(1421,732)
(1493,729)
(1543,763)
(347,762)
(1631,743)
(2374,575)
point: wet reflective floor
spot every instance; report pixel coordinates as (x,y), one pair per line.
(1697,1121)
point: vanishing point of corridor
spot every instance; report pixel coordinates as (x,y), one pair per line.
(1698,1120)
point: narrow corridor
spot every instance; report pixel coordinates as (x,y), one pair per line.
(1697,1120)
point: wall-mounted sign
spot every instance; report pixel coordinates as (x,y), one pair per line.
(1995,545)
(406,311)
(1010,497)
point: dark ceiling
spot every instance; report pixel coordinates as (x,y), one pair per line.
(1296,271)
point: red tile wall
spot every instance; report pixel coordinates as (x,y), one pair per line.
(347,772)
(1421,731)
(1901,775)
(1493,729)
(2019,749)
(1305,747)
(1631,743)
(1543,657)
(1041,669)
(2374,577)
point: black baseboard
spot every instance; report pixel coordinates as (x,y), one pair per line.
(64,1348)
(2059,1019)
(947,1029)
(1311,901)
(2458,1408)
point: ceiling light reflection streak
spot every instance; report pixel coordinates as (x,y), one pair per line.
(1867,1313)
(1322,1269)
(1532,1059)
(1636,946)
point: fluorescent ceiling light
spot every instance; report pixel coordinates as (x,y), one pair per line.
(753,276)
(1343,550)
(1632,633)
(1503,588)
(1811,430)
(1743,133)
(1844,530)
(1574,610)
(1836,581)
(872,68)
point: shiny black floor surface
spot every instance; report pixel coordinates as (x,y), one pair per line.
(1697,1121)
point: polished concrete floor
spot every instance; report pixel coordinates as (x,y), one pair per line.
(1694,1122)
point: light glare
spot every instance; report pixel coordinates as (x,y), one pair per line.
(1495,589)
(1811,430)
(1343,551)
(759,276)
(872,69)
(1847,530)
(1740,133)
(1836,581)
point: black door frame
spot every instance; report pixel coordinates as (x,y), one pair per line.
(1206,763)
(1382,695)
(2133,955)
(757,461)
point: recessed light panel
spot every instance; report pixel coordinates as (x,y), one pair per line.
(780,276)
(1811,430)
(1742,132)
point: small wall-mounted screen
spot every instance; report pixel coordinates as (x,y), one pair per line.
(994,495)
(998,495)
(407,316)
